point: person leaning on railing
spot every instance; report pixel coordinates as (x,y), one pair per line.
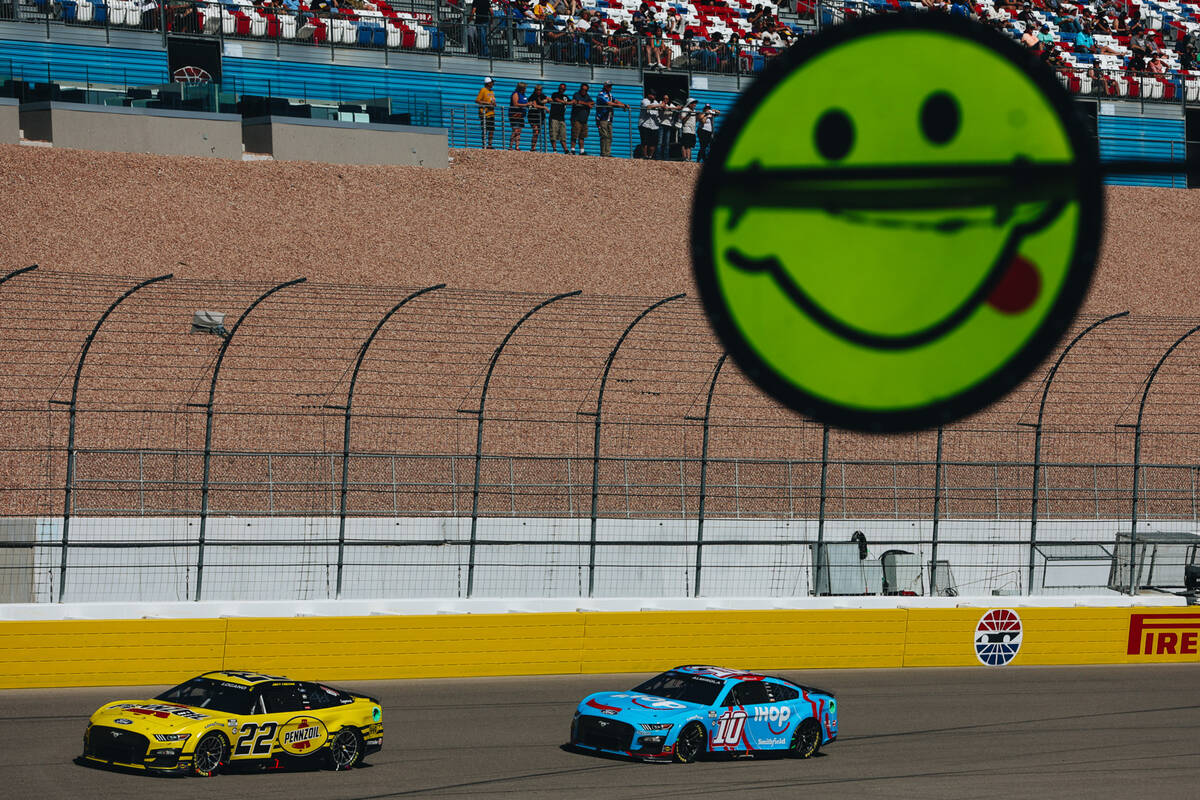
(605,103)
(486,102)
(537,115)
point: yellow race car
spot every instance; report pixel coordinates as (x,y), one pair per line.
(227,719)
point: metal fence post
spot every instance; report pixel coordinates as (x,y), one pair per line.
(816,589)
(479,413)
(612,355)
(208,427)
(362,354)
(1037,438)
(937,512)
(704,474)
(1137,459)
(72,406)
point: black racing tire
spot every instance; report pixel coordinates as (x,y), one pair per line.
(692,741)
(346,749)
(806,741)
(211,755)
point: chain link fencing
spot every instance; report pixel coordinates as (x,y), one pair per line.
(329,441)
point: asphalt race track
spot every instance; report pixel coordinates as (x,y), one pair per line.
(932,733)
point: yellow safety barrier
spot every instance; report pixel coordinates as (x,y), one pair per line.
(155,651)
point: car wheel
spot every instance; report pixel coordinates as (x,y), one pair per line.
(346,749)
(806,741)
(690,743)
(212,753)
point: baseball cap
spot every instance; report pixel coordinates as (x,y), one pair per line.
(487,81)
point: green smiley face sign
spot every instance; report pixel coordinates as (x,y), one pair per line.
(898,221)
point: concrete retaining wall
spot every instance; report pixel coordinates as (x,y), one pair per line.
(10,122)
(134,130)
(296,139)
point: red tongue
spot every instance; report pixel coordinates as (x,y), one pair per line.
(1018,289)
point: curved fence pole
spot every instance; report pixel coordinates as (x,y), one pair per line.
(1037,437)
(479,412)
(208,427)
(820,552)
(1137,460)
(362,354)
(704,474)
(17,272)
(596,433)
(69,486)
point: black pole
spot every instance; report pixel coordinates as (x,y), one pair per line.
(362,354)
(816,589)
(1037,436)
(16,272)
(937,512)
(208,426)
(1137,458)
(70,479)
(704,473)
(479,412)
(596,434)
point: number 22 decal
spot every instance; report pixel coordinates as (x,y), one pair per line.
(248,744)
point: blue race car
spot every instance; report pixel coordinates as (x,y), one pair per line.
(689,711)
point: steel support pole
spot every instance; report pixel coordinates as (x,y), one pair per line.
(69,486)
(816,587)
(9,276)
(1137,460)
(1037,438)
(612,355)
(937,512)
(704,474)
(208,428)
(362,354)
(479,414)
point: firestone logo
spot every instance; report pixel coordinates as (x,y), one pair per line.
(1163,634)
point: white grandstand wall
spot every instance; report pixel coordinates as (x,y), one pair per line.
(295,558)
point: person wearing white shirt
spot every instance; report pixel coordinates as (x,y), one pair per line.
(648,124)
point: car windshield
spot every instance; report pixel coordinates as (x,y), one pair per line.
(229,698)
(680,686)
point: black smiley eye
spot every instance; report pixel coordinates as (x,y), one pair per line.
(940,118)
(834,135)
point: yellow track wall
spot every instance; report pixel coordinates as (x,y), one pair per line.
(136,652)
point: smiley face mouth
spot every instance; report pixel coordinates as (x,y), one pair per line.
(880,196)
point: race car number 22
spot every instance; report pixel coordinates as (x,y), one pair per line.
(256,739)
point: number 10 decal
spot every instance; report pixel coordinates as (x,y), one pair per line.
(248,744)
(730,726)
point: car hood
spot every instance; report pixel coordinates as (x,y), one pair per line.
(640,707)
(155,716)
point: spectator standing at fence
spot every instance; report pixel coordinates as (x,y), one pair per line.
(537,115)
(581,109)
(517,105)
(688,118)
(481,21)
(666,127)
(605,103)
(558,118)
(648,125)
(486,101)
(705,132)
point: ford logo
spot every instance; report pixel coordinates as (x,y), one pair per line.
(122,721)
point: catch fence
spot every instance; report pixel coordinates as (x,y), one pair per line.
(328,440)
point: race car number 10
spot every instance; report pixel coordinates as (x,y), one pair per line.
(253,742)
(730,726)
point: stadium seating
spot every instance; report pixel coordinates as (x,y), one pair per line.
(376,24)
